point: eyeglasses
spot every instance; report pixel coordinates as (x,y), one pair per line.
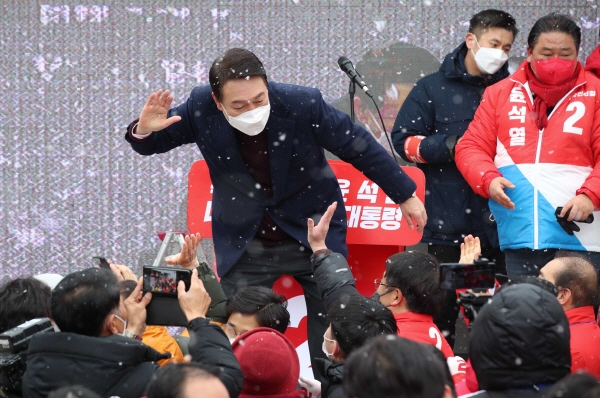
(378,282)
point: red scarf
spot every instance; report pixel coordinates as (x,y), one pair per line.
(548,96)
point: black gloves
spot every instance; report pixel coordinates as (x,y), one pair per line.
(569,226)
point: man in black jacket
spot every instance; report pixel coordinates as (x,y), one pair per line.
(353,318)
(431,122)
(519,344)
(100,351)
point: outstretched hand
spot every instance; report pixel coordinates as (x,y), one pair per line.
(470,250)
(154,113)
(318,233)
(188,257)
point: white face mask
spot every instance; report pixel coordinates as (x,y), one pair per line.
(252,122)
(232,339)
(124,323)
(324,347)
(489,60)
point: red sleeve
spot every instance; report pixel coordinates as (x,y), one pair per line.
(591,186)
(475,152)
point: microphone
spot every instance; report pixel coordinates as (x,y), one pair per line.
(347,67)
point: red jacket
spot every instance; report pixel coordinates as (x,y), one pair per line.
(592,63)
(585,340)
(548,167)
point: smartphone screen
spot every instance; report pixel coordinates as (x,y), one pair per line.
(164,281)
(101,262)
(467,276)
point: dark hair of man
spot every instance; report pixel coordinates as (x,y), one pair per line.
(169,382)
(394,367)
(268,307)
(554,22)
(82,301)
(236,63)
(417,275)
(126,287)
(579,276)
(484,20)
(355,319)
(73,392)
(21,300)
(578,385)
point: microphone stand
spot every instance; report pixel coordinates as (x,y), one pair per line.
(352,91)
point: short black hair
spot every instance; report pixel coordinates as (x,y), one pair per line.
(355,319)
(394,367)
(578,385)
(169,381)
(579,276)
(82,301)
(73,392)
(21,300)
(554,22)
(126,287)
(486,19)
(417,275)
(236,63)
(269,308)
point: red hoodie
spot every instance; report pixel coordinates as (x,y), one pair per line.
(592,63)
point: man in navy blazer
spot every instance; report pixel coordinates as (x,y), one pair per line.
(264,146)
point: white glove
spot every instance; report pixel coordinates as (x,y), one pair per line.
(312,386)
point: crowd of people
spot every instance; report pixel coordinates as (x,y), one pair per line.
(513,159)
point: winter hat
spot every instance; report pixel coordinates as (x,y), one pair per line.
(269,363)
(49,279)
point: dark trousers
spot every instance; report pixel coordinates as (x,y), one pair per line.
(524,262)
(446,319)
(262,266)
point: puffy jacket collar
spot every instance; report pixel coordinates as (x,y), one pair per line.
(454,67)
(115,348)
(333,372)
(581,314)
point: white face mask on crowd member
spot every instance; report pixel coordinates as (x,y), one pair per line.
(252,122)
(489,60)
(324,346)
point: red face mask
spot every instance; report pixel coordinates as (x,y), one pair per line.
(554,71)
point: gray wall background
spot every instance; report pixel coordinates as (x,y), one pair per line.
(74,74)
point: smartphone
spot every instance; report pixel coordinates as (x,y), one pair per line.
(163,281)
(164,309)
(101,262)
(480,274)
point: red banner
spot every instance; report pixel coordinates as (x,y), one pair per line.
(373,219)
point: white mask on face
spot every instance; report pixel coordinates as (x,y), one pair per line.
(124,323)
(252,122)
(324,347)
(232,339)
(489,60)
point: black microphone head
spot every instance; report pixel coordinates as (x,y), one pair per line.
(342,61)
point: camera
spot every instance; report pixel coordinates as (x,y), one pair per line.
(13,347)
(472,281)
(162,282)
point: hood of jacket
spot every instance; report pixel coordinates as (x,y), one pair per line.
(592,63)
(520,339)
(331,376)
(454,67)
(113,365)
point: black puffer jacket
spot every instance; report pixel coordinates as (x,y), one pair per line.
(331,379)
(110,366)
(519,344)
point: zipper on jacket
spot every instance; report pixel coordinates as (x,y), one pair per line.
(536,231)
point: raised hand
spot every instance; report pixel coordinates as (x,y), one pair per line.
(318,233)
(470,250)
(187,258)
(154,113)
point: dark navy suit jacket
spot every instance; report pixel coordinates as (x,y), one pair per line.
(300,125)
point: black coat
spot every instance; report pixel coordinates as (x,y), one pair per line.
(331,379)
(440,107)
(529,393)
(110,366)
(300,126)
(520,342)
